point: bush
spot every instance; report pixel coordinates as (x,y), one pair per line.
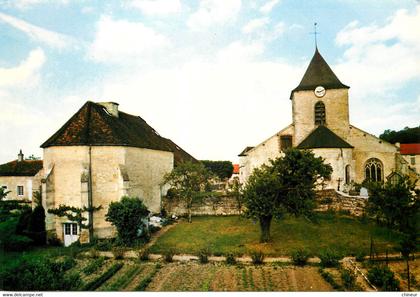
(118,252)
(17,243)
(104,245)
(93,266)
(169,255)
(53,240)
(349,279)
(360,256)
(36,226)
(39,274)
(383,277)
(300,257)
(257,258)
(67,263)
(97,282)
(127,216)
(93,253)
(230,259)
(203,256)
(143,255)
(329,259)
(330,279)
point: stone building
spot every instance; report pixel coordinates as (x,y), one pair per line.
(98,156)
(21,177)
(320,112)
(411,153)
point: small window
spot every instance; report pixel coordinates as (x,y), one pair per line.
(74,227)
(374,170)
(20,190)
(67,230)
(319,113)
(285,141)
(413,160)
(348,174)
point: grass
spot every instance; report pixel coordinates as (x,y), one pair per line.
(233,234)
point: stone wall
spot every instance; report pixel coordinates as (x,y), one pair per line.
(338,201)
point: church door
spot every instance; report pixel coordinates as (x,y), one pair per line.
(70,233)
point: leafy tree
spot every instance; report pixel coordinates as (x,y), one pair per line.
(222,169)
(408,246)
(286,185)
(406,135)
(3,193)
(189,182)
(236,192)
(127,216)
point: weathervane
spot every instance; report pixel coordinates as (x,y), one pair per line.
(315,34)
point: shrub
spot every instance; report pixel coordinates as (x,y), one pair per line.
(143,255)
(349,279)
(53,240)
(300,257)
(118,252)
(17,243)
(383,277)
(36,226)
(169,255)
(97,282)
(330,279)
(39,274)
(147,280)
(127,216)
(93,253)
(203,256)
(67,263)
(230,259)
(104,245)
(153,229)
(329,258)
(360,256)
(257,258)
(93,266)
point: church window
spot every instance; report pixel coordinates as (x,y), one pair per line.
(347,174)
(374,170)
(319,113)
(285,141)
(20,190)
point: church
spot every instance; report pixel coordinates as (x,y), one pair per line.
(320,113)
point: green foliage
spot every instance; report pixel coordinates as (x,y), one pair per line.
(222,169)
(93,265)
(395,203)
(203,255)
(349,279)
(383,277)
(189,182)
(143,255)
(360,256)
(36,226)
(104,245)
(74,214)
(330,279)
(39,274)
(3,193)
(407,135)
(118,252)
(286,185)
(329,258)
(127,216)
(257,257)
(97,282)
(124,280)
(300,257)
(230,259)
(17,243)
(147,280)
(93,253)
(169,255)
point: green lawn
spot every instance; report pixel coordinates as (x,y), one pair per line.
(345,235)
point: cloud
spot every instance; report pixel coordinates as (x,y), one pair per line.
(118,41)
(26,73)
(268,6)
(26,4)
(38,34)
(214,12)
(157,7)
(255,24)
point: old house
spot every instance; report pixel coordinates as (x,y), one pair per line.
(99,155)
(411,153)
(321,123)
(21,177)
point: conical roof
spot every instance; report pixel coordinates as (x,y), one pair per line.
(319,73)
(92,125)
(322,137)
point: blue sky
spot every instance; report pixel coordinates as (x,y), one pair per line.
(212,75)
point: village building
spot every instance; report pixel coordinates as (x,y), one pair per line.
(411,153)
(21,177)
(321,123)
(98,156)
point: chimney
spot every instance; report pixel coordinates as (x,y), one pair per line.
(20,156)
(111,108)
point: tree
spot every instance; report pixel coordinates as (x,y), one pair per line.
(189,182)
(3,193)
(286,185)
(236,192)
(406,135)
(127,216)
(222,169)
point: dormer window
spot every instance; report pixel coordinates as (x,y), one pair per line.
(319,113)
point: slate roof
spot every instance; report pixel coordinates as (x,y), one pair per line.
(93,125)
(410,148)
(243,153)
(322,137)
(22,168)
(319,73)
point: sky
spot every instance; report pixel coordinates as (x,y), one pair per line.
(212,75)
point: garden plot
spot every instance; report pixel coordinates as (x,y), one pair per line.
(399,268)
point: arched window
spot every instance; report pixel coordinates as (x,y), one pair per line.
(319,113)
(348,180)
(374,170)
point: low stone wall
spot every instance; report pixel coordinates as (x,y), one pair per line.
(227,205)
(222,205)
(338,201)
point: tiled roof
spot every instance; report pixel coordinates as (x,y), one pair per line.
(235,168)
(247,149)
(410,148)
(319,73)
(93,125)
(322,137)
(22,168)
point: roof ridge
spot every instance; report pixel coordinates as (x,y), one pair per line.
(322,137)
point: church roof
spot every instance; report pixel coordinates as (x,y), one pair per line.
(93,125)
(247,149)
(319,73)
(410,148)
(21,168)
(322,137)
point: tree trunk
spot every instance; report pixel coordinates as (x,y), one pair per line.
(189,215)
(408,272)
(265,222)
